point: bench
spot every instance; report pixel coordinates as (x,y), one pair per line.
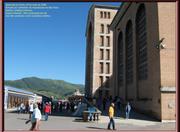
(95,115)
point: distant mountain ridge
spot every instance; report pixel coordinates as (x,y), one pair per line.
(48,87)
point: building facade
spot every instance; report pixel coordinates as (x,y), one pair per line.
(13,97)
(99,50)
(144,52)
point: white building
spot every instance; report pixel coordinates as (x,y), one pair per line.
(13,97)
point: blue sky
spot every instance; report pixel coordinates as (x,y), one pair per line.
(52,47)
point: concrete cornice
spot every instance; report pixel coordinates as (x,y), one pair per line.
(168,89)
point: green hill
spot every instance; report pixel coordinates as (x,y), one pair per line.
(48,87)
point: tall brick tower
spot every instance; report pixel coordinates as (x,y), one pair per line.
(99,50)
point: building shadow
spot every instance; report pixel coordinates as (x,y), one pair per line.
(78,120)
(98,128)
(63,114)
(134,114)
(23,119)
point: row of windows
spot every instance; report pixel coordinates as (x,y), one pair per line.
(107,57)
(102,29)
(141,49)
(107,41)
(104,14)
(107,68)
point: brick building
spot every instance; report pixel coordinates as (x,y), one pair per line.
(99,50)
(144,52)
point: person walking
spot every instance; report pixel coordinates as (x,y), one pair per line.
(118,106)
(128,109)
(35,118)
(47,110)
(72,106)
(27,108)
(111,117)
(67,107)
(21,108)
(61,106)
(30,110)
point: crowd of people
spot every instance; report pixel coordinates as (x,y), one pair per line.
(120,105)
(63,106)
(22,108)
(56,107)
(108,105)
(113,106)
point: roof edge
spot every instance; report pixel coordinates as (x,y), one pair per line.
(119,14)
(98,6)
(106,6)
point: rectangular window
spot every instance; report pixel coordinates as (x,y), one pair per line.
(107,78)
(109,16)
(107,82)
(101,80)
(101,14)
(101,67)
(108,41)
(101,54)
(102,40)
(108,29)
(107,54)
(105,14)
(107,68)
(102,28)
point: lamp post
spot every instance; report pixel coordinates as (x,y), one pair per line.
(160,44)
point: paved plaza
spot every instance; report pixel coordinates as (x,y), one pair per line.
(14,121)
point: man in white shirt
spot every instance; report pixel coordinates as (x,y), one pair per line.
(30,110)
(35,119)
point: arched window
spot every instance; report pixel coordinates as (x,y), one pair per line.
(129,53)
(120,59)
(141,42)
